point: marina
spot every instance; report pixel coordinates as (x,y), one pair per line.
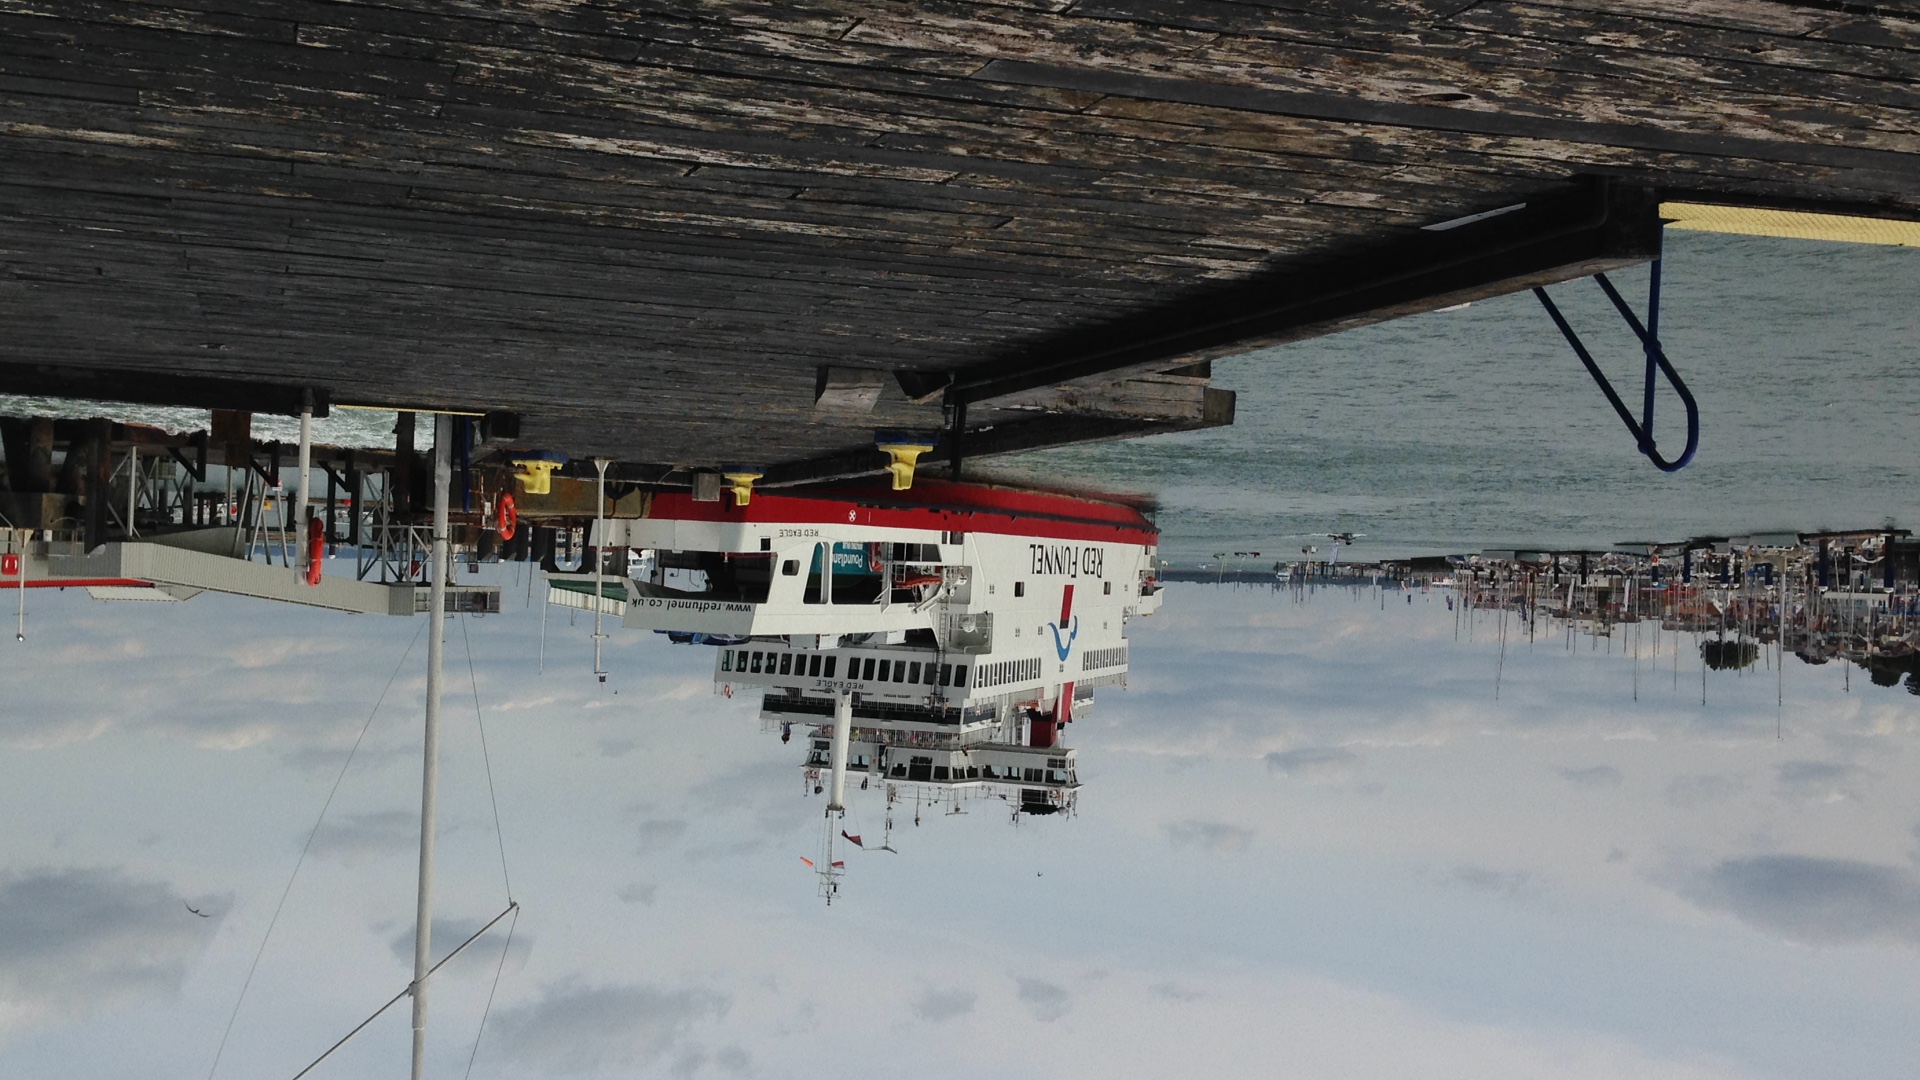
(1085,538)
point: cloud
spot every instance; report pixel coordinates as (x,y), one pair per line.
(576,1028)
(1492,882)
(73,942)
(939,1006)
(1215,836)
(639,893)
(377,833)
(660,833)
(1594,776)
(1814,900)
(480,957)
(1691,791)
(1817,781)
(1048,1001)
(1315,764)
(1168,991)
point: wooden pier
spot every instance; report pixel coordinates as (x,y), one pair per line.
(663,231)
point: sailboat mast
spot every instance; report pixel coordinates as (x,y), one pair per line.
(430,764)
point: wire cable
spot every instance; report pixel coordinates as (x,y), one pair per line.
(488,1011)
(305,848)
(498,836)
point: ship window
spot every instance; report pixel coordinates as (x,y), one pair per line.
(1106,588)
(973,772)
(740,660)
(766,543)
(726,659)
(756,663)
(813,665)
(786,663)
(932,674)
(866,670)
(899,671)
(960,675)
(818,578)
(1056,763)
(1019,588)
(946,675)
(832,662)
(940,773)
(790,568)
(913,672)
(1033,775)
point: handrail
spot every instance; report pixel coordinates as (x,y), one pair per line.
(1642,429)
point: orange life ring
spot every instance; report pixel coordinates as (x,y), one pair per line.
(507,516)
(316,549)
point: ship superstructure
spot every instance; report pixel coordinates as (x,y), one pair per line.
(946,634)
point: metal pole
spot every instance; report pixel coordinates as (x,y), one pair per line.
(430,764)
(842,731)
(21,633)
(300,483)
(597,545)
(133,485)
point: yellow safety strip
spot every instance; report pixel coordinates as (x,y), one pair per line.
(1792,224)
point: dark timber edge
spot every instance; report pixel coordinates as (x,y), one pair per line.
(1006,438)
(1596,226)
(152,388)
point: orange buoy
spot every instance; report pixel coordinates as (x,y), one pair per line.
(507,516)
(316,549)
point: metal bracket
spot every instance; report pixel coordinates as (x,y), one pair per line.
(197,468)
(1649,336)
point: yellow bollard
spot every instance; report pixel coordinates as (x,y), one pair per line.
(742,485)
(903,457)
(535,475)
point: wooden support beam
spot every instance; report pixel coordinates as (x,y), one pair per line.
(1595,227)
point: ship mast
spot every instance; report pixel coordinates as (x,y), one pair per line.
(842,732)
(430,764)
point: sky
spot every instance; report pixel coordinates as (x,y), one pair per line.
(1330,836)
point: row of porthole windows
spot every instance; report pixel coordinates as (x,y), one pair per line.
(1007,671)
(919,770)
(1095,659)
(756,662)
(866,669)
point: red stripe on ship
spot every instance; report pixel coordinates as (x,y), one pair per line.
(931,505)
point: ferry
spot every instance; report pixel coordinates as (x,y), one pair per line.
(941,637)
